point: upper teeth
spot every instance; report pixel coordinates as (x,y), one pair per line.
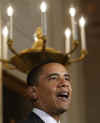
(63,94)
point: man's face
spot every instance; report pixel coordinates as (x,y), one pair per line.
(54,89)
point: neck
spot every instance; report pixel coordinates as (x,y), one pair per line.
(56,117)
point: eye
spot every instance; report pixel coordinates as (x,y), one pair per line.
(67,78)
(53,77)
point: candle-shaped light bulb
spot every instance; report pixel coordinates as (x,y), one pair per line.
(10,11)
(82,23)
(72,12)
(5,31)
(67,42)
(67,33)
(5,38)
(43,7)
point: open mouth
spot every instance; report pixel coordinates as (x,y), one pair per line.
(63,95)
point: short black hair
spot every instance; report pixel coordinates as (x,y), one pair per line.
(33,76)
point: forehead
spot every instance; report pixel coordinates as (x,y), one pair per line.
(54,67)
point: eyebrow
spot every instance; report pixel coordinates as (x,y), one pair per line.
(67,74)
(57,74)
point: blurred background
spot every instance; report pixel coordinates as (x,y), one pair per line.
(85,75)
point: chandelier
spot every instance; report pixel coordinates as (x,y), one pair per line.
(24,60)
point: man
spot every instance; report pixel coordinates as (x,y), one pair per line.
(50,90)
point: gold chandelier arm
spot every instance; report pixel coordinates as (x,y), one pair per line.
(82,56)
(10,45)
(75,44)
(44,43)
(4,61)
(7,64)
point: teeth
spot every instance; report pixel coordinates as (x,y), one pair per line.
(65,95)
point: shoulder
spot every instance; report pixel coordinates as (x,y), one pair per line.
(32,118)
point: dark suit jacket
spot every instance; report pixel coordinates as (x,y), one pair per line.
(32,118)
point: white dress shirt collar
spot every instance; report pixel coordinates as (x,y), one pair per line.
(44,116)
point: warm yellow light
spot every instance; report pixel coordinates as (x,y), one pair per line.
(82,22)
(72,11)
(35,37)
(67,33)
(43,7)
(10,11)
(5,31)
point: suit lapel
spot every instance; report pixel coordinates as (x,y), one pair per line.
(35,118)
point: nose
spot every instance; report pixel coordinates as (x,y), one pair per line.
(64,83)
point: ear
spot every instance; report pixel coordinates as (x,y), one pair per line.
(34,93)
(31,92)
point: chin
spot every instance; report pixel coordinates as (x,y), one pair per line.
(63,109)
(60,111)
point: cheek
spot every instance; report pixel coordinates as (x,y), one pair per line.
(47,92)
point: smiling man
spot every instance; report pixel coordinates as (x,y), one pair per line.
(50,90)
